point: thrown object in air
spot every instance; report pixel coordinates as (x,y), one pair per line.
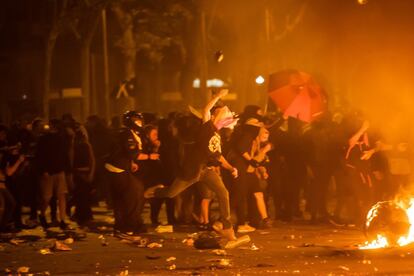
(219,56)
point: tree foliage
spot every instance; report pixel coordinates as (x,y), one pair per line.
(156,25)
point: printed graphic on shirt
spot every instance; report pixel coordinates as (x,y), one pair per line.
(214,145)
(137,139)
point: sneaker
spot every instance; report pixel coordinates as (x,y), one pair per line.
(43,222)
(228,234)
(266,223)
(217,226)
(245,229)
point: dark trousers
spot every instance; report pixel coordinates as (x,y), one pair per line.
(16,192)
(7,205)
(128,200)
(213,182)
(82,200)
(295,180)
(318,192)
(156,204)
(243,197)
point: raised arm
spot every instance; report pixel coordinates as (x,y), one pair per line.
(212,103)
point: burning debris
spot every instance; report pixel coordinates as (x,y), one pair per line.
(390,223)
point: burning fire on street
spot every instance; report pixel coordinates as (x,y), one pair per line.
(390,224)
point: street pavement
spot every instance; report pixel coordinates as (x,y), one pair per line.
(288,248)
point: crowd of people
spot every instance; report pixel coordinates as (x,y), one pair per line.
(258,167)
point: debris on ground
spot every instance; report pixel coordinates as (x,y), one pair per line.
(207,241)
(170,259)
(16,241)
(45,251)
(253,247)
(154,245)
(164,229)
(236,243)
(224,262)
(23,269)
(308,245)
(344,267)
(172,267)
(68,241)
(124,273)
(61,246)
(143,242)
(188,241)
(153,256)
(103,240)
(219,252)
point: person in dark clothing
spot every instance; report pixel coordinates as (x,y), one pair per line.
(195,168)
(7,205)
(83,172)
(358,166)
(277,166)
(52,161)
(100,139)
(152,168)
(249,155)
(286,136)
(14,164)
(7,202)
(169,151)
(321,164)
(126,189)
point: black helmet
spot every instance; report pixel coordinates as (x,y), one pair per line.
(129,117)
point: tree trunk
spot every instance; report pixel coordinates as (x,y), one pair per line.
(85,57)
(49,49)
(85,61)
(127,45)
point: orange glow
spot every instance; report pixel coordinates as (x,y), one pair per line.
(382,241)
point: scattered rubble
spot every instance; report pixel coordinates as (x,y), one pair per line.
(61,246)
(23,269)
(164,229)
(344,267)
(17,241)
(154,245)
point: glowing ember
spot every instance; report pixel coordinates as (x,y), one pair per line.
(390,223)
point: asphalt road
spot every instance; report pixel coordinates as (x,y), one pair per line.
(296,248)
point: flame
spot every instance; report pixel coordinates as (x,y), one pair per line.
(381,241)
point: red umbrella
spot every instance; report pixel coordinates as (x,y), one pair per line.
(297,94)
